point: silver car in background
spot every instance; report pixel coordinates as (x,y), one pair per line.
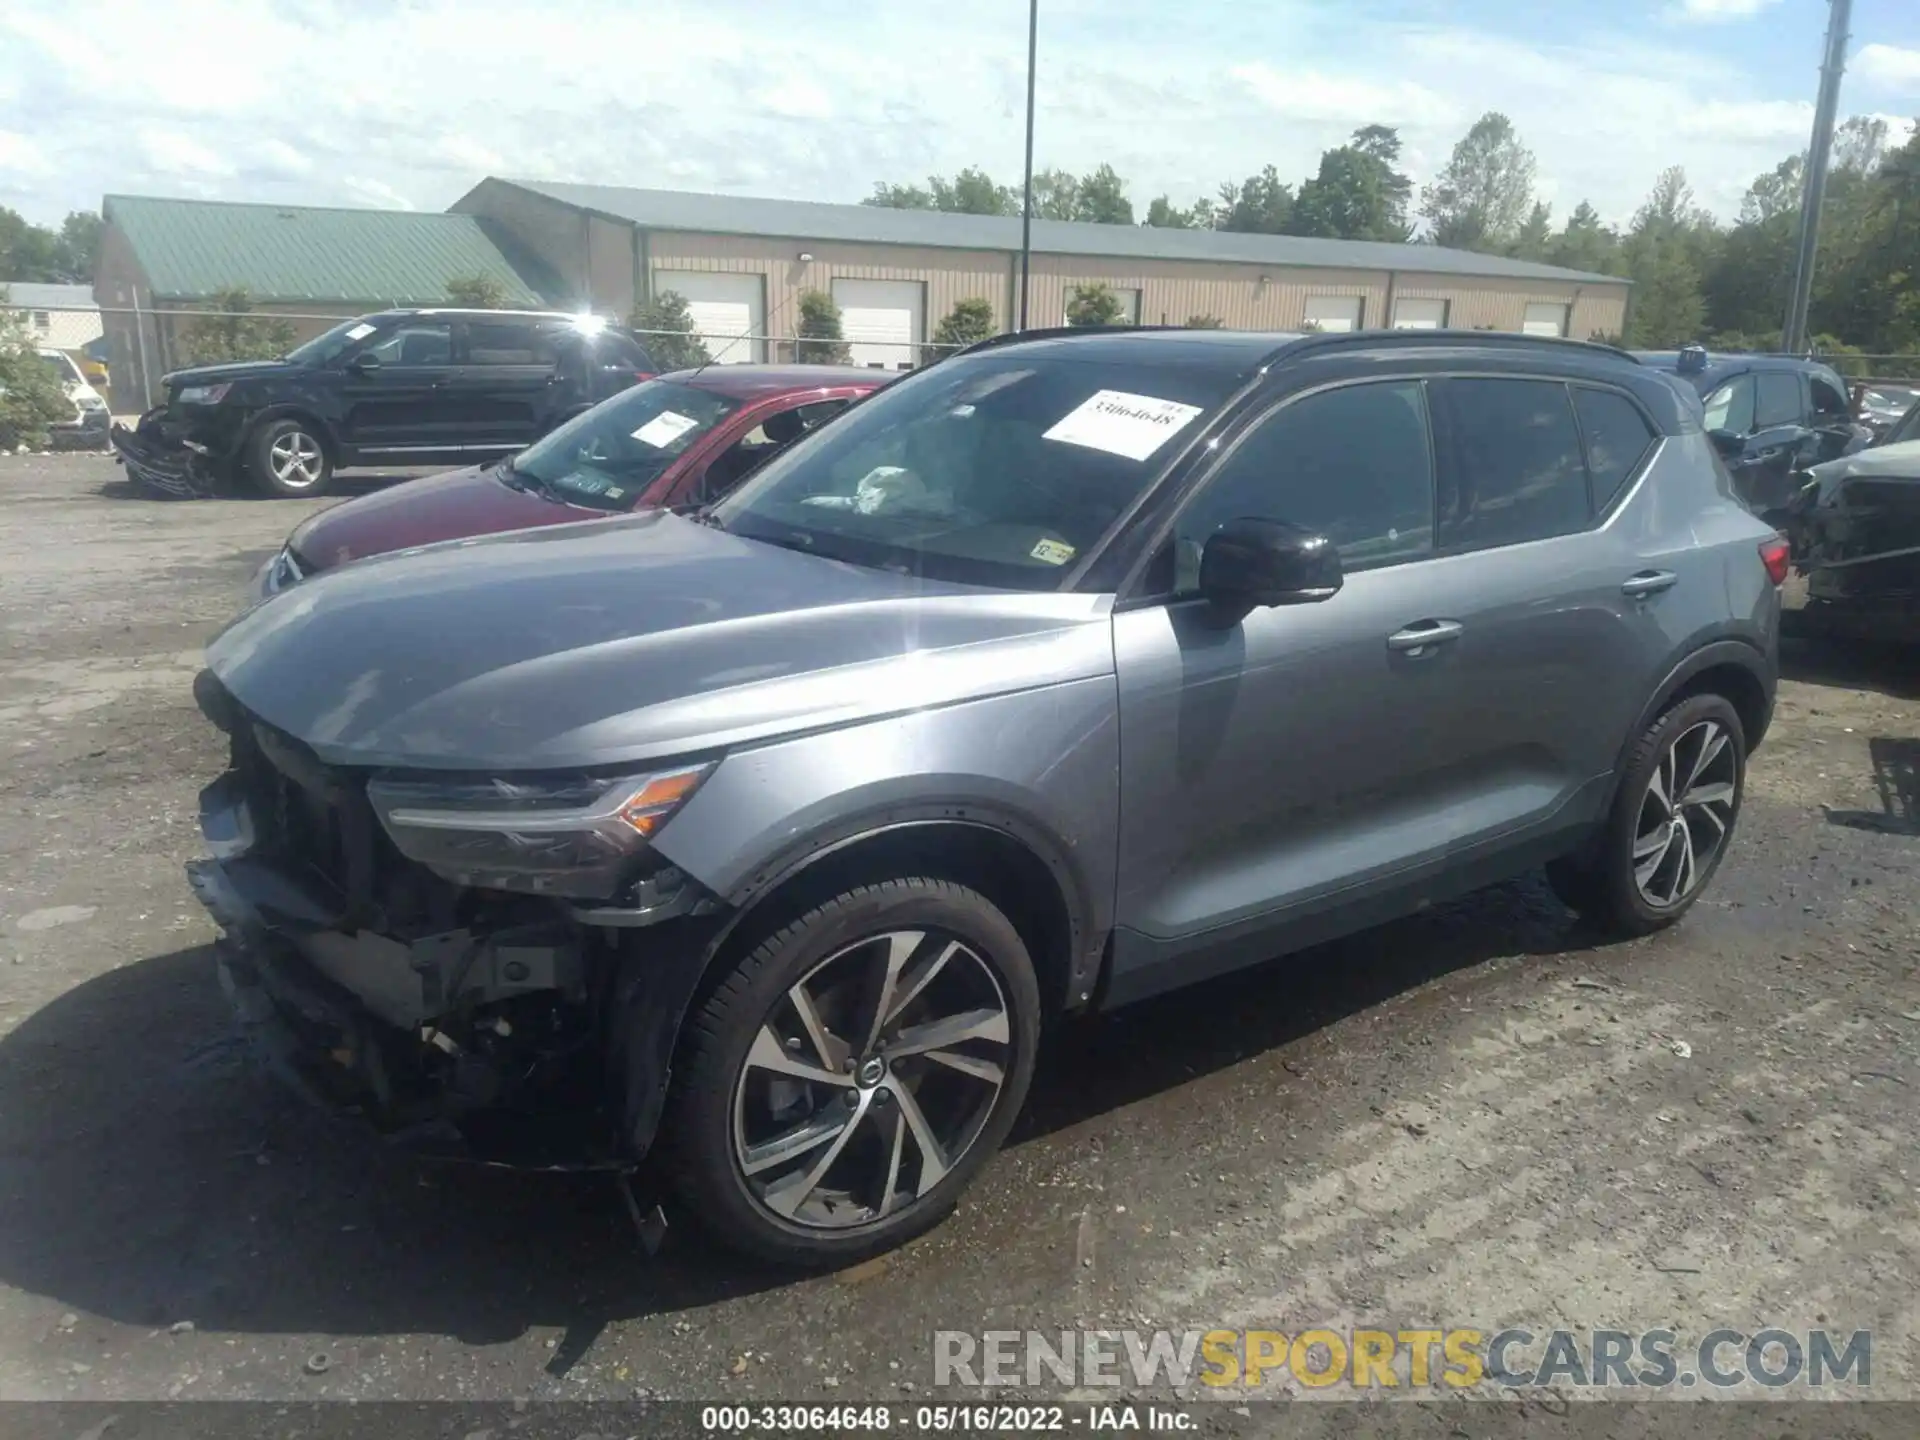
(1071,669)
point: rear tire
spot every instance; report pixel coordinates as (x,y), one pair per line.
(289,458)
(1671,824)
(851,1073)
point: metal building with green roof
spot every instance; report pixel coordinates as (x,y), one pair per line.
(308,264)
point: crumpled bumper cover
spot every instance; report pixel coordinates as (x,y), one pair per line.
(172,457)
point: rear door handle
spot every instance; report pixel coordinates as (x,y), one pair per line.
(1417,637)
(1649,582)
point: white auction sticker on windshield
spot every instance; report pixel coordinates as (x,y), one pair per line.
(665,428)
(360,332)
(1122,424)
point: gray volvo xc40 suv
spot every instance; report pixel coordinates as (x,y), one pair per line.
(1076,667)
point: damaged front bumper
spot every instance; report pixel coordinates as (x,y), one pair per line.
(544,1042)
(1855,530)
(171,457)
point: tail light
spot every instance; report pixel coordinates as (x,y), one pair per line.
(643,375)
(1774,554)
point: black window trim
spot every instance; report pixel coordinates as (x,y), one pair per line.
(1241,423)
(1239,429)
(1600,514)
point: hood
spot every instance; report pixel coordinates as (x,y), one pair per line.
(1883,462)
(635,638)
(233,370)
(474,501)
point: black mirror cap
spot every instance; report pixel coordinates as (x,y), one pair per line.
(1727,443)
(1249,563)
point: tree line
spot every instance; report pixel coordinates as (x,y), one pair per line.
(1695,279)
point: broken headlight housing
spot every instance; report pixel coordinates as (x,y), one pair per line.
(573,836)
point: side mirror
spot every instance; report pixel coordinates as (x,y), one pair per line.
(1249,563)
(1727,443)
(365,363)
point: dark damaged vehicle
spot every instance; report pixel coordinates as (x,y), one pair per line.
(1078,667)
(1855,528)
(678,441)
(403,387)
(1769,416)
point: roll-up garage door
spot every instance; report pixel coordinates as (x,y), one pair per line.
(884,320)
(729,311)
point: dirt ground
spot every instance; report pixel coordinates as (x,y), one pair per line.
(1477,1117)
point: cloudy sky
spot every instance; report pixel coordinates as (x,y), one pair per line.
(410,102)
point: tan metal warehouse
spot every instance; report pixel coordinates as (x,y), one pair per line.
(742,264)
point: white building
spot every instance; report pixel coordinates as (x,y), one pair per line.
(60,317)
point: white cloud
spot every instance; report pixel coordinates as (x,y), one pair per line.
(1301,94)
(338,101)
(1889,65)
(1715,11)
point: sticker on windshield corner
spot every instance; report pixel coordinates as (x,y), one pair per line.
(665,428)
(1122,424)
(1053,552)
(360,332)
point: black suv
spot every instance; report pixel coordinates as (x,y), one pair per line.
(1769,416)
(403,387)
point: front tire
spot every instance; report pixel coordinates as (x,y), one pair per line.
(289,458)
(1672,821)
(852,1072)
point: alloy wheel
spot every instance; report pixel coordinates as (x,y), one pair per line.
(870,1079)
(1686,814)
(296,459)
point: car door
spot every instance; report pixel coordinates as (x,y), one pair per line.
(395,396)
(1835,432)
(507,385)
(1781,440)
(1268,766)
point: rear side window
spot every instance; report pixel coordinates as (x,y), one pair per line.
(508,342)
(1511,466)
(617,352)
(1617,437)
(1777,399)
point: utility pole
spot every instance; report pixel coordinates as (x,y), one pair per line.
(1026,202)
(1793,339)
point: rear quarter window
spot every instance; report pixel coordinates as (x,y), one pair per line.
(1617,439)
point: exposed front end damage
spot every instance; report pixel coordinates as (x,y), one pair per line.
(458,1020)
(1855,529)
(177,456)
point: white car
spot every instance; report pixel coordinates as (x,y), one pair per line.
(88,428)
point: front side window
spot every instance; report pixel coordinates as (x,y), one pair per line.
(1617,436)
(605,457)
(418,342)
(991,469)
(1829,401)
(1776,399)
(1511,468)
(1730,408)
(1353,464)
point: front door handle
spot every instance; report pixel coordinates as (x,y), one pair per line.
(1649,582)
(1415,639)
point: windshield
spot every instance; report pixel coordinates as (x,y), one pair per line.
(1907,429)
(62,369)
(607,456)
(996,469)
(322,348)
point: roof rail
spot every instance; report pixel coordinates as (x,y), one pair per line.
(1492,339)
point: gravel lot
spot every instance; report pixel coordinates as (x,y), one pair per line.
(1474,1118)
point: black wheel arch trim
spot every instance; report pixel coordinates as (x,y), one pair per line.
(1086,938)
(1715,653)
(655,990)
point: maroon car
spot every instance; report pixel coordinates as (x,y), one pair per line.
(679,440)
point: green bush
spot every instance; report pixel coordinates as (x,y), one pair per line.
(1205,322)
(821,339)
(477,292)
(969,322)
(666,329)
(1094,305)
(235,333)
(30,397)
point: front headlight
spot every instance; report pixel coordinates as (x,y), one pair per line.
(575,836)
(204,394)
(91,402)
